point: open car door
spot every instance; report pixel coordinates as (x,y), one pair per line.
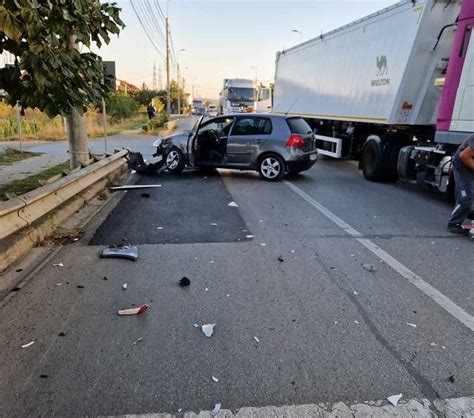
(191,144)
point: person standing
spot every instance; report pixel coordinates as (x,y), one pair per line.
(151,111)
(463,171)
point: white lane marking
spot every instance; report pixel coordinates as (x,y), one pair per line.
(433,293)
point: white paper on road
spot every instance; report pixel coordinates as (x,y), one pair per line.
(216,409)
(213,224)
(27,345)
(233,204)
(256,339)
(135,186)
(215,379)
(125,286)
(412,325)
(208,329)
(58,265)
(263,244)
(394,399)
(249,236)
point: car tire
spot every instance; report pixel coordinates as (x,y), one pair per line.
(271,167)
(175,161)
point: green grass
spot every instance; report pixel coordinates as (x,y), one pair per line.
(11,156)
(27,184)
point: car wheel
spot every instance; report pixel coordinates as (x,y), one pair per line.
(175,161)
(271,167)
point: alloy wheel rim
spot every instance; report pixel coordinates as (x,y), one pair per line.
(172,159)
(270,167)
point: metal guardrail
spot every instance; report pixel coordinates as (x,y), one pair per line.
(23,210)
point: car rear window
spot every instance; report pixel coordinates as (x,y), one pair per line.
(298,126)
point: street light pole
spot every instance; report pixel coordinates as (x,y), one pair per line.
(168,102)
(177,76)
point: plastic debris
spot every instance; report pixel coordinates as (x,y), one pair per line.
(28,344)
(206,289)
(125,286)
(357,322)
(292,251)
(137,341)
(394,399)
(256,339)
(146,195)
(211,262)
(216,409)
(215,379)
(184,282)
(58,265)
(249,236)
(263,244)
(281,259)
(195,325)
(134,311)
(208,329)
(356,293)
(451,378)
(160,228)
(433,345)
(180,409)
(75,239)
(228,294)
(213,224)
(411,325)
(233,204)
(133,171)
(135,186)
(120,251)
(369,267)
(59,284)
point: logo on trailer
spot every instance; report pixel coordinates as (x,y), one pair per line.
(382,65)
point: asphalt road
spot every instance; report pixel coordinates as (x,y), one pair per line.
(282,267)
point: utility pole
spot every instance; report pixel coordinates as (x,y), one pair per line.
(76,130)
(179,93)
(154,75)
(168,101)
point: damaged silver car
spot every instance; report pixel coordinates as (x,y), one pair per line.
(270,144)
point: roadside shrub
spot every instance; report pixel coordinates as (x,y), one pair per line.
(156,123)
(121,106)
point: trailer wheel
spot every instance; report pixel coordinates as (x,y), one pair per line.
(372,160)
(379,159)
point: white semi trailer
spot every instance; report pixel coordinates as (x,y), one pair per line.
(394,90)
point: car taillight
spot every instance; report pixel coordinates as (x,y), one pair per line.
(295,141)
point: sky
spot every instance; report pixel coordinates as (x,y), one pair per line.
(223,38)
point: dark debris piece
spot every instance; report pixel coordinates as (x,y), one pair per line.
(18,270)
(105,278)
(451,378)
(44,376)
(146,195)
(80,286)
(281,259)
(61,334)
(15,289)
(184,282)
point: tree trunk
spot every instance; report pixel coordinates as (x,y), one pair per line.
(77,139)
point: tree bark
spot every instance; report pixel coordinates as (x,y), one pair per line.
(77,139)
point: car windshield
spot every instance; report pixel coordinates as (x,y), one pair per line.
(241,93)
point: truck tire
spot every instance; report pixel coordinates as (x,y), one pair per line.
(175,161)
(379,158)
(372,160)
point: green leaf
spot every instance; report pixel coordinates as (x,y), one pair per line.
(8,25)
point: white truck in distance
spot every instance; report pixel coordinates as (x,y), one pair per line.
(394,90)
(237,95)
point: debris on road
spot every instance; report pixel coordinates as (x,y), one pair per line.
(357,322)
(146,195)
(206,289)
(80,286)
(228,294)
(58,265)
(451,378)
(105,278)
(124,286)
(137,341)
(44,376)
(184,282)
(292,251)
(134,311)
(211,262)
(256,339)
(394,399)
(216,409)
(263,244)
(208,329)
(195,325)
(233,205)
(249,236)
(411,325)
(369,267)
(135,186)
(281,259)
(59,284)
(28,344)
(61,334)
(213,224)
(433,345)
(356,293)
(215,379)
(120,251)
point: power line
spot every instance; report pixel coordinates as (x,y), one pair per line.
(154,19)
(145,29)
(160,10)
(148,20)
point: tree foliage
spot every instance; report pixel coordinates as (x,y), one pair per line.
(120,105)
(45,37)
(145,95)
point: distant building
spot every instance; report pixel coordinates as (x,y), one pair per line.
(124,86)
